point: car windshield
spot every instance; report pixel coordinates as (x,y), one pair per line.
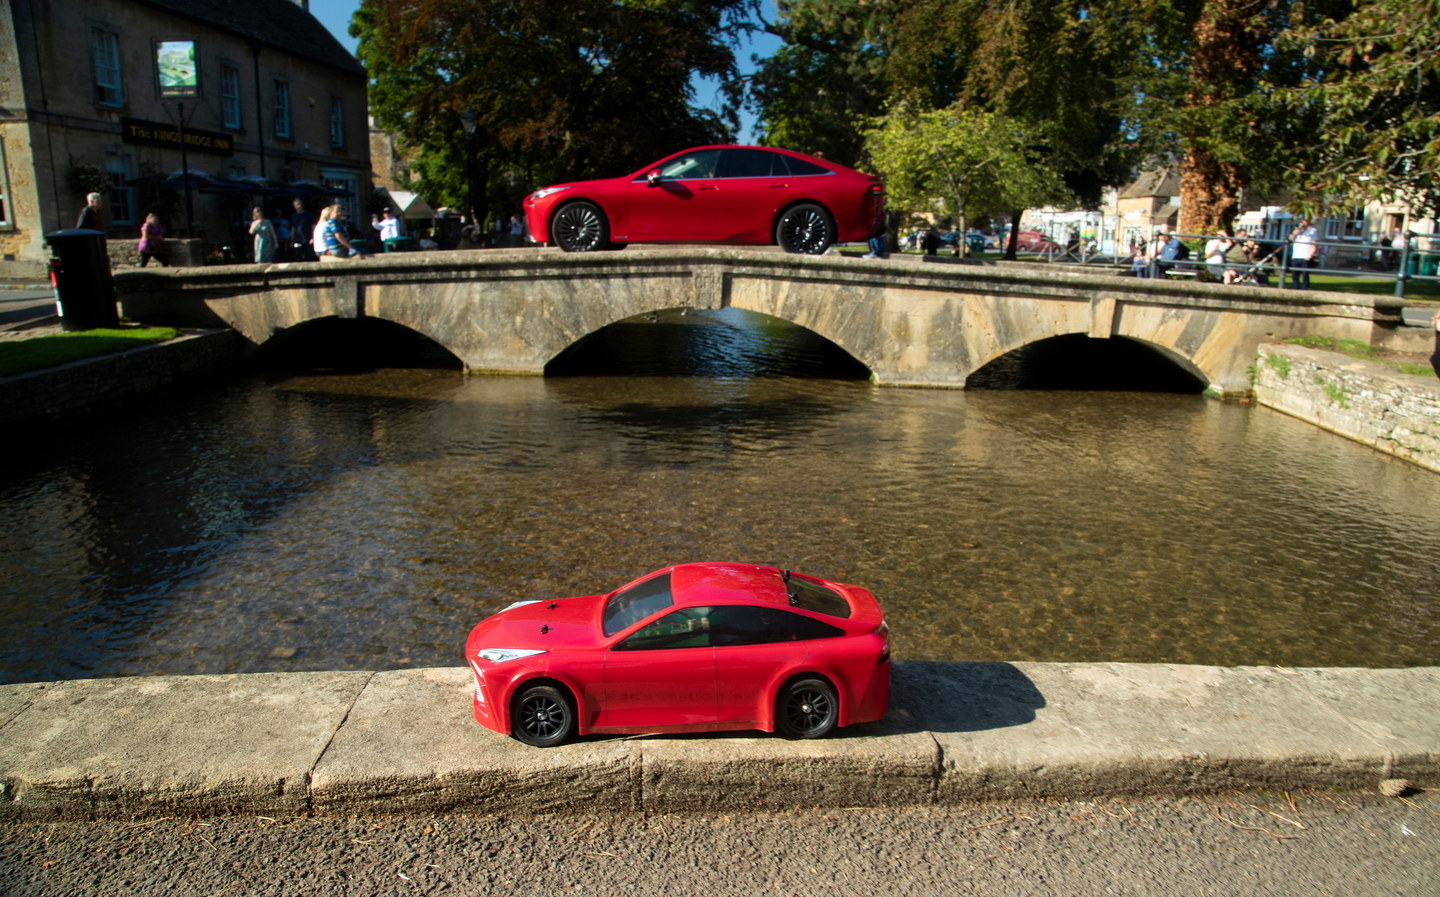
(699,164)
(630,606)
(812,596)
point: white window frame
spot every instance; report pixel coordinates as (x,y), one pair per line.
(105,67)
(337,122)
(284,128)
(231,114)
(1350,227)
(346,179)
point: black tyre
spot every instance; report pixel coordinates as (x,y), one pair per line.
(806,228)
(543,716)
(580,227)
(806,708)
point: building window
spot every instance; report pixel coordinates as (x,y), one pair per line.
(282,109)
(1346,228)
(230,96)
(337,122)
(121,201)
(105,62)
(347,180)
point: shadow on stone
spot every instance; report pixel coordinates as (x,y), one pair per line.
(960,697)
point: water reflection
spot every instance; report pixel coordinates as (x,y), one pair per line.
(367,520)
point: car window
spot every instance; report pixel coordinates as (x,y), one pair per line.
(630,606)
(750,163)
(800,166)
(685,628)
(699,164)
(808,595)
(745,624)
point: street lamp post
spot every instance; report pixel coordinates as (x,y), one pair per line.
(469,121)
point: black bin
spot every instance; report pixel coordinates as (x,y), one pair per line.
(84,289)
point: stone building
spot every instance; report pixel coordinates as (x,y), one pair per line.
(95,95)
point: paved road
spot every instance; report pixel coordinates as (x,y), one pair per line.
(20,306)
(1353,845)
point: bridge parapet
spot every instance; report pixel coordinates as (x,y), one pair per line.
(911,322)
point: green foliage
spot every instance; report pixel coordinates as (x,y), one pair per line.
(1279,364)
(971,162)
(827,77)
(1374,95)
(598,87)
(21,356)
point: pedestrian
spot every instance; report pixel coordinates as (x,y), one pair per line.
(152,241)
(90,217)
(930,243)
(1215,249)
(264,233)
(302,233)
(877,242)
(1303,248)
(1140,263)
(426,242)
(388,226)
(332,243)
(1172,250)
(517,231)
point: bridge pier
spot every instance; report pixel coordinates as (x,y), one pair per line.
(913,323)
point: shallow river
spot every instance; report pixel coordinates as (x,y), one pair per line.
(367,520)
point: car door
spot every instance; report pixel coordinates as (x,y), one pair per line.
(662,675)
(755,649)
(750,186)
(679,205)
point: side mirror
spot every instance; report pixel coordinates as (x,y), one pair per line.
(653,178)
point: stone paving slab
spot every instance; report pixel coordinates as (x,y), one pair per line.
(95,748)
(405,741)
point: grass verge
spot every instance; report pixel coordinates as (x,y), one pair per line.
(25,355)
(1364,351)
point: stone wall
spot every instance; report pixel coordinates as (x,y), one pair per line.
(72,390)
(1366,401)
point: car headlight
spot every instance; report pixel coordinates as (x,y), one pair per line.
(500,655)
(546,191)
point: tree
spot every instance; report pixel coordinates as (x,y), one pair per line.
(1375,99)
(598,88)
(972,162)
(812,93)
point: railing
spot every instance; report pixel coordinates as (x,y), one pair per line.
(1369,260)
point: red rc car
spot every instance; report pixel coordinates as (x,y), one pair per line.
(690,648)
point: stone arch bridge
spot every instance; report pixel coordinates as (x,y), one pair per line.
(912,322)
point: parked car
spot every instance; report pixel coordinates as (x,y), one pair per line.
(713,194)
(689,648)
(1035,241)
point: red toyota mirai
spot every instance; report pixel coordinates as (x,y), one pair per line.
(713,194)
(690,648)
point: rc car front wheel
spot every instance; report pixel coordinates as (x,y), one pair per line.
(806,708)
(805,228)
(542,716)
(580,227)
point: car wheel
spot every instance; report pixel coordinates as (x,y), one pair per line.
(542,716)
(805,228)
(580,227)
(807,708)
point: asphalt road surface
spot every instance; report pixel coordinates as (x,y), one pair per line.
(1353,845)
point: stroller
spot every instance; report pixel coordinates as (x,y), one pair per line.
(1257,272)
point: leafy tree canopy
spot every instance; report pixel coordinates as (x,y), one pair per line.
(1374,97)
(592,88)
(973,162)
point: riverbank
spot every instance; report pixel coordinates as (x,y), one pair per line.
(404,741)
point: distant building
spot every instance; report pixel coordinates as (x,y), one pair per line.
(92,94)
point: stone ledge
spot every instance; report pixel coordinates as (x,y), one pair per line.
(404,741)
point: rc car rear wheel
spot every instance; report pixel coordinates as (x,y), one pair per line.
(542,716)
(806,708)
(580,227)
(805,228)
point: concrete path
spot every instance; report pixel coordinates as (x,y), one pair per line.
(401,741)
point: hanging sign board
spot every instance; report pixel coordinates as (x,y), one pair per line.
(176,70)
